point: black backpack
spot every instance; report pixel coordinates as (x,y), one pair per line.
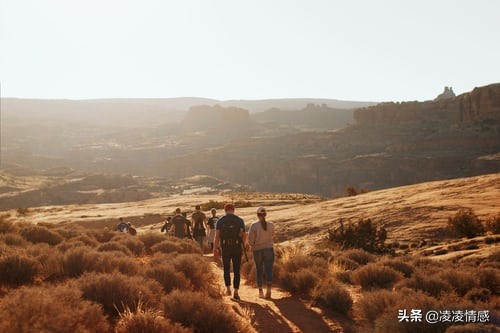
(230,233)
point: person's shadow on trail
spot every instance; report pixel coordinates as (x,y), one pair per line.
(289,310)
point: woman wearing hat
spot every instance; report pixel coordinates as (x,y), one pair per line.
(261,240)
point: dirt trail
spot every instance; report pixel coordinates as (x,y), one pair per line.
(281,314)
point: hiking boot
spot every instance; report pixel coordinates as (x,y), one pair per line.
(228,291)
(236,296)
(261,293)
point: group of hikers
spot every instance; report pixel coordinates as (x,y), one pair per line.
(229,240)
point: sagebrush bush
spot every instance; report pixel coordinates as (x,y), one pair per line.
(108,262)
(11,239)
(361,257)
(151,238)
(427,283)
(374,275)
(169,277)
(465,224)
(346,263)
(17,269)
(58,309)
(198,272)
(478,295)
(488,278)
(102,236)
(132,243)
(114,246)
(493,224)
(374,303)
(7,227)
(300,282)
(361,235)
(117,292)
(147,321)
(399,265)
(79,260)
(460,281)
(172,245)
(203,313)
(301,273)
(38,234)
(333,296)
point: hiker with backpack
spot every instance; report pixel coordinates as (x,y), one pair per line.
(199,224)
(122,226)
(211,228)
(180,225)
(260,239)
(230,242)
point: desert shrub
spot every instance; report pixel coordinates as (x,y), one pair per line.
(17,270)
(50,260)
(66,245)
(460,281)
(346,263)
(472,328)
(22,211)
(387,321)
(428,283)
(57,309)
(117,292)
(7,226)
(350,191)
(132,243)
(333,296)
(465,224)
(108,262)
(198,272)
(38,234)
(11,239)
(300,273)
(212,204)
(493,224)
(399,265)
(147,321)
(359,256)
(488,278)
(87,240)
(114,246)
(478,295)
(374,303)
(168,277)
(78,260)
(151,238)
(102,236)
(343,276)
(204,314)
(361,235)
(375,276)
(172,245)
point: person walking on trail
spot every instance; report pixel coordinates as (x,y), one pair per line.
(179,225)
(122,226)
(231,239)
(166,226)
(199,223)
(211,228)
(131,230)
(260,239)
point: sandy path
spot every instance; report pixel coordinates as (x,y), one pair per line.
(281,314)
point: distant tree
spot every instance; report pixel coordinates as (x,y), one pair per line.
(362,235)
(465,224)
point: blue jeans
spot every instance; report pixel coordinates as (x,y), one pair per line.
(264,260)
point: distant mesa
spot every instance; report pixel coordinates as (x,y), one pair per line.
(205,116)
(446,94)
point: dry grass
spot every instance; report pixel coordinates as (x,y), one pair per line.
(333,296)
(37,234)
(17,270)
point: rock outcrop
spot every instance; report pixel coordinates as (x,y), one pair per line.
(480,104)
(446,94)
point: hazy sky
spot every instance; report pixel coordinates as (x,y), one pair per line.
(228,49)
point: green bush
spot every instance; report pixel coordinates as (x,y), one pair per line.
(465,224)
(375,275)
(38,234)
(58,309)
(333,296)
